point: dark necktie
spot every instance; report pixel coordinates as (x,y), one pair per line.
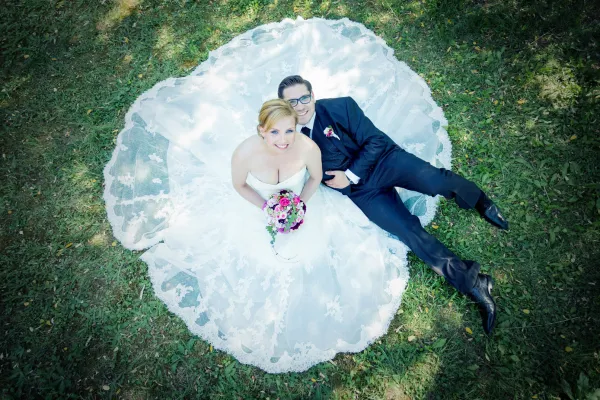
(305,130)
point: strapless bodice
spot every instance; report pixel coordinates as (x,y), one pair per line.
(295,183)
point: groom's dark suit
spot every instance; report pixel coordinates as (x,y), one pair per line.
(382,165)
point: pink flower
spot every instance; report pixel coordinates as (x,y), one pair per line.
(296,200)
(284,202)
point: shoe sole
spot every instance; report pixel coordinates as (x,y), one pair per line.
(490,284)
(494,224)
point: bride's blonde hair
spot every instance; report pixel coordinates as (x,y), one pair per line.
(273,111)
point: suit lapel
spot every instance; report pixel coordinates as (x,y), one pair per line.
(317,129)
(321,122)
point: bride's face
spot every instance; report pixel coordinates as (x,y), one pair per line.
(280,137)
(299,94)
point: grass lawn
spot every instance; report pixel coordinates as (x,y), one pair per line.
(519,81)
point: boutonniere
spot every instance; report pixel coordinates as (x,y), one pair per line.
(329,132)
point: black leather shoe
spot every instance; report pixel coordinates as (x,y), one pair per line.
(482,295)
(491,213)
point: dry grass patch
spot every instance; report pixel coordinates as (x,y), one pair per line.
(121,10)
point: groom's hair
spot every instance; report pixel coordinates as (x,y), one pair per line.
(292,80)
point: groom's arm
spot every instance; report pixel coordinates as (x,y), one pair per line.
(372,141)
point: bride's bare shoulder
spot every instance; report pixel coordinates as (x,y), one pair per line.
(249,147)
(307,144)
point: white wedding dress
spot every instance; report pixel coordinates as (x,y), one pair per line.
(338,280)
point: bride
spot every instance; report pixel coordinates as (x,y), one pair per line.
(181,185)
(278,152)
(339,293)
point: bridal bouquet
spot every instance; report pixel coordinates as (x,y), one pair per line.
(285,213)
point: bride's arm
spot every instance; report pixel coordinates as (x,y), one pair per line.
(315,169)
(239,173)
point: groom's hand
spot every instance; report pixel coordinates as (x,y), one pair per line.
(339,181)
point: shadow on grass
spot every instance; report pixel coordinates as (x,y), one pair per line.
(553,45)
(521,25)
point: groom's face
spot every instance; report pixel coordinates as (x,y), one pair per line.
(304,111)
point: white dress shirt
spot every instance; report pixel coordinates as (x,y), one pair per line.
(310,124)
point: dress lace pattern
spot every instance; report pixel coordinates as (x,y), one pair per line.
(168,190)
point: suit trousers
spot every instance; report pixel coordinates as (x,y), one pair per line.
(381,203)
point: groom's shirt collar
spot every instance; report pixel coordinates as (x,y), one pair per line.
(309,125)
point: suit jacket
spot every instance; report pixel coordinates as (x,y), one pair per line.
(360,141)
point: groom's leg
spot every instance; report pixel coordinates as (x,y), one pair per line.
(385,208)
(403,169)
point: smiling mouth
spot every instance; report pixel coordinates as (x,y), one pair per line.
(302,114)
(282,146)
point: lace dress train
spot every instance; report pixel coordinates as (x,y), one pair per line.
(168,190)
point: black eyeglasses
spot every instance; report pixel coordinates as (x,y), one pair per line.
(304,100)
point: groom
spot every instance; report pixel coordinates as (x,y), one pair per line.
(366,165)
